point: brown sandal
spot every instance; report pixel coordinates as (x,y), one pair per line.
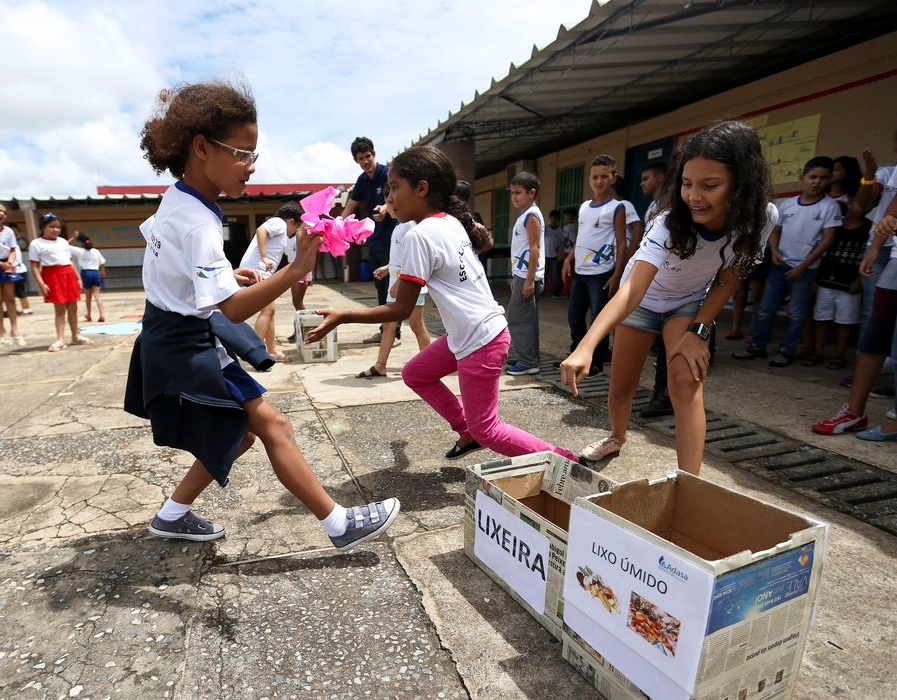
(370,373)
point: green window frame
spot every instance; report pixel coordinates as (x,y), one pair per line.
(501,217)
(569,186)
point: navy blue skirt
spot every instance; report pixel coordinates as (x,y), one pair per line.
(240,385)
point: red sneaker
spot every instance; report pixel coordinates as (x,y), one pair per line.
(842,421)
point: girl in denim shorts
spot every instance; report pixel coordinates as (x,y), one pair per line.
(715,218)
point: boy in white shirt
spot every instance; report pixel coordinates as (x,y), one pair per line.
(527,275)
(597,260)
(264,254)
(806,229)
(554,241)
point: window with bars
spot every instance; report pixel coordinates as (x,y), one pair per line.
(501,217)
(570,186)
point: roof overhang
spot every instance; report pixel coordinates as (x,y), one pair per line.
(631,60)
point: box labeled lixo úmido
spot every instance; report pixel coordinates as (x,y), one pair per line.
(690,590)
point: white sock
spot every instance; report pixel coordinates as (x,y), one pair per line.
(172,510)
(335,524)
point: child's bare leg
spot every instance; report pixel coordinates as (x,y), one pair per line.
(72,313)
(822,331)
(99,298)
(59,320)
(387,338)
(88,299)
(739,301)
(843,337)
(9,298)
(419,328)
(276,433)
(632,346)
(687,396)
(264,327)
(198,477)
(297,292)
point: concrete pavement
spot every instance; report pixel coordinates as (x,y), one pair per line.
(93,606)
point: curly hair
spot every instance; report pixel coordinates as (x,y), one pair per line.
(210,109)
(426,163)
(737,146)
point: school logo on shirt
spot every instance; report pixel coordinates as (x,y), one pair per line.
(522,263)
(603,255)
(208,272)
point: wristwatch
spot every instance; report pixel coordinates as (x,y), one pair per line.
(702,330)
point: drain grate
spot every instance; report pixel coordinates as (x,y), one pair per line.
(861,490)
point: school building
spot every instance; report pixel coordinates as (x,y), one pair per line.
(111,218)
(635,78)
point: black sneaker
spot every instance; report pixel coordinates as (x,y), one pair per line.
(781,360)
(189,526)
(750,352)
(882,392)
(367,522)
(658,406)
(291,338)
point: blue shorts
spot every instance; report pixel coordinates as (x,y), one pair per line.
(91,278)
(10,277)
(643,319)
(240,385)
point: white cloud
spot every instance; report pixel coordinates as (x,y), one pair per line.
(86,75)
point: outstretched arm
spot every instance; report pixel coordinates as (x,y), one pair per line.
(623,303)
(399,310)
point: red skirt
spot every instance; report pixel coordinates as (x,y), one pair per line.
(63,284)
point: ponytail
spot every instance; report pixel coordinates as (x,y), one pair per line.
(480,238)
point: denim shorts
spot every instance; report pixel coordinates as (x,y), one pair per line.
(91,278)
(643,319)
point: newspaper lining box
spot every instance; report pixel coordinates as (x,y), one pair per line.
(690,590)
(325,350)
(515,526)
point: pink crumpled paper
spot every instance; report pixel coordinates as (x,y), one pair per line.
(337,232)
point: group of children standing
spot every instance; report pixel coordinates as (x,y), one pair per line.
(59,281)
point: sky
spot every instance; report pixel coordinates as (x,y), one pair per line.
(80,78)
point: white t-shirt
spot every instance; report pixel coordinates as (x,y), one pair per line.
(651,211)
(7,242)
(520,251)
(20,260)
(87,259)
(887,178)
(184,267)
(631,217)
(679,281)
(596,241)
(47,252)
(554,236)
(274,246)
(397,250)
(802,226)
(437,252)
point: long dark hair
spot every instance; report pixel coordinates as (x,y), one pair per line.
(737,146)
(426,163)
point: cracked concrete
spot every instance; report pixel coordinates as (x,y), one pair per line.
(92,606)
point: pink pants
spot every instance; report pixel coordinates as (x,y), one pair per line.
(475,415)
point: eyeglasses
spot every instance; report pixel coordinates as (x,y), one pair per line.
(241,155)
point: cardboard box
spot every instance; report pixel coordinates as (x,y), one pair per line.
(597,671)
(690,590)
(325,350)
(515,526)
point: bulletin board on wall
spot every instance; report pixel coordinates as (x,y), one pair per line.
(840,121)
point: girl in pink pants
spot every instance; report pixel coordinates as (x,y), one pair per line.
(441,252)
